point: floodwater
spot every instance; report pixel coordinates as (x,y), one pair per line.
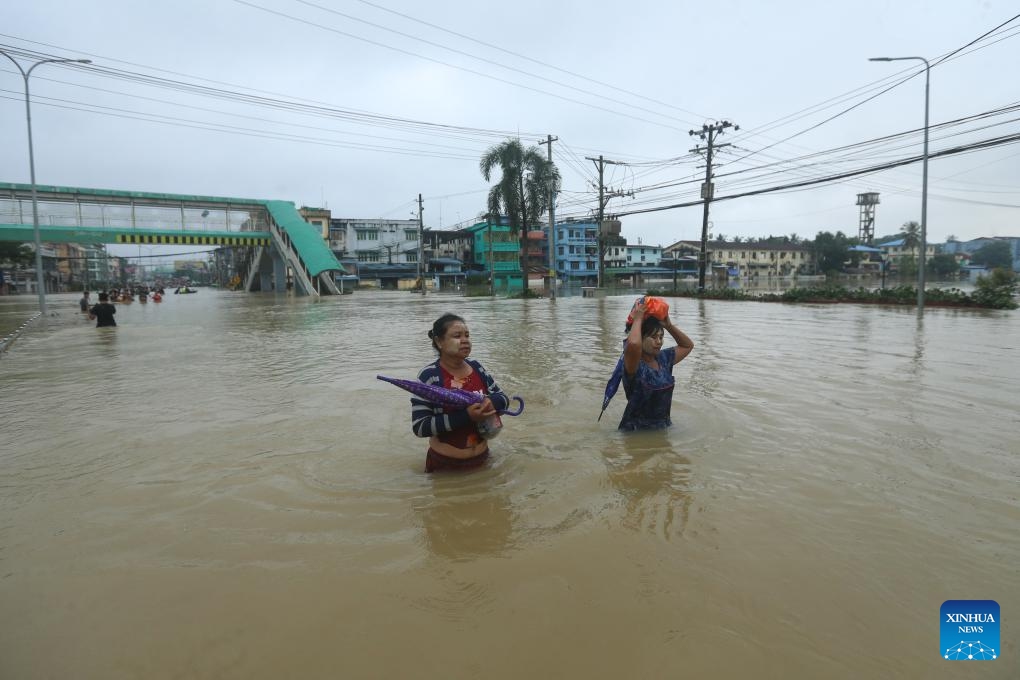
(220,488)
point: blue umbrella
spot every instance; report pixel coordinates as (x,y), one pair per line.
(612,385)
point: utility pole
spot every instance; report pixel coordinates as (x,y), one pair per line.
(492,267)
(550,279)
(421,247)
(708,134)
(604,197)
(602,208)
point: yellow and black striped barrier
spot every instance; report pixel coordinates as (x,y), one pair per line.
(193,240)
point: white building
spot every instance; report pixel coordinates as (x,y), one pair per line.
(375,240)
(633,256)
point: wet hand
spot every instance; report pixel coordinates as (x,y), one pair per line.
(482,410)
(639,308)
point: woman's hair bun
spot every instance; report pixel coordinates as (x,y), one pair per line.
(430,335)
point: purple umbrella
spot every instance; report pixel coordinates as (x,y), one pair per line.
(447,396)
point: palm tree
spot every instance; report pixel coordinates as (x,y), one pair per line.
(912,236)
(522,193)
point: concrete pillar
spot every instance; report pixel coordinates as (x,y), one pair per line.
(279,271)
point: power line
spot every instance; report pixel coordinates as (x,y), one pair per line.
(1007,139)
(527,58)
(234,130)
(462,53)
(448,64)
(226,113)
(860,103)
(277,102)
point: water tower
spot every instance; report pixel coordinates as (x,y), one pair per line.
(867,201)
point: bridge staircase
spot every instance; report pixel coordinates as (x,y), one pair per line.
(296,247)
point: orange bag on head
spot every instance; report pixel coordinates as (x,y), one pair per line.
(655,306)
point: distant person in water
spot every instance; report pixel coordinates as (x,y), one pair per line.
(84,302)
(648,370)
(103,312)
(454,438)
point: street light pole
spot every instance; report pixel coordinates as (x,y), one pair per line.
(924,177)
(31,169)
(675,253)
(421,247)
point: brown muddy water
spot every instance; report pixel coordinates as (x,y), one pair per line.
(220,488)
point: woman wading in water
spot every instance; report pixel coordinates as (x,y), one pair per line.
(455,440)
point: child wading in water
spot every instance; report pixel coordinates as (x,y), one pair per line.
(454,438)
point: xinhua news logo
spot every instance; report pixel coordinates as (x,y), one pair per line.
(969,630)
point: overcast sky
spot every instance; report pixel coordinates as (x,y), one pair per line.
(374,102)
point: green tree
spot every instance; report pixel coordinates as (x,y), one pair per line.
(522,193)
(943,265)
(16,253)
(997,290)
(830,251)
(912,236)
(994,254)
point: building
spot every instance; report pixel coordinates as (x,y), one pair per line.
(869,260)
(577,249)
(958,248)
(751,259)
(375,240)
(496,251)
(456,244)
(894,251)
(636,256)
(318,218)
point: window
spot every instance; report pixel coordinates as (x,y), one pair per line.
(367,234)
(410,234)
(368,256)
(411,257)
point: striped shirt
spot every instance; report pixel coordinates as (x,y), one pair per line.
(449,427)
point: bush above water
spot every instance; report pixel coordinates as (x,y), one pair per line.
(996,291)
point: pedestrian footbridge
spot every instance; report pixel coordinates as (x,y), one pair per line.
(272,238)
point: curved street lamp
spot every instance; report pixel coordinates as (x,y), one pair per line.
(31,169)
(924,178)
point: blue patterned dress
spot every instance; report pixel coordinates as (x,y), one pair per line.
(649,394)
